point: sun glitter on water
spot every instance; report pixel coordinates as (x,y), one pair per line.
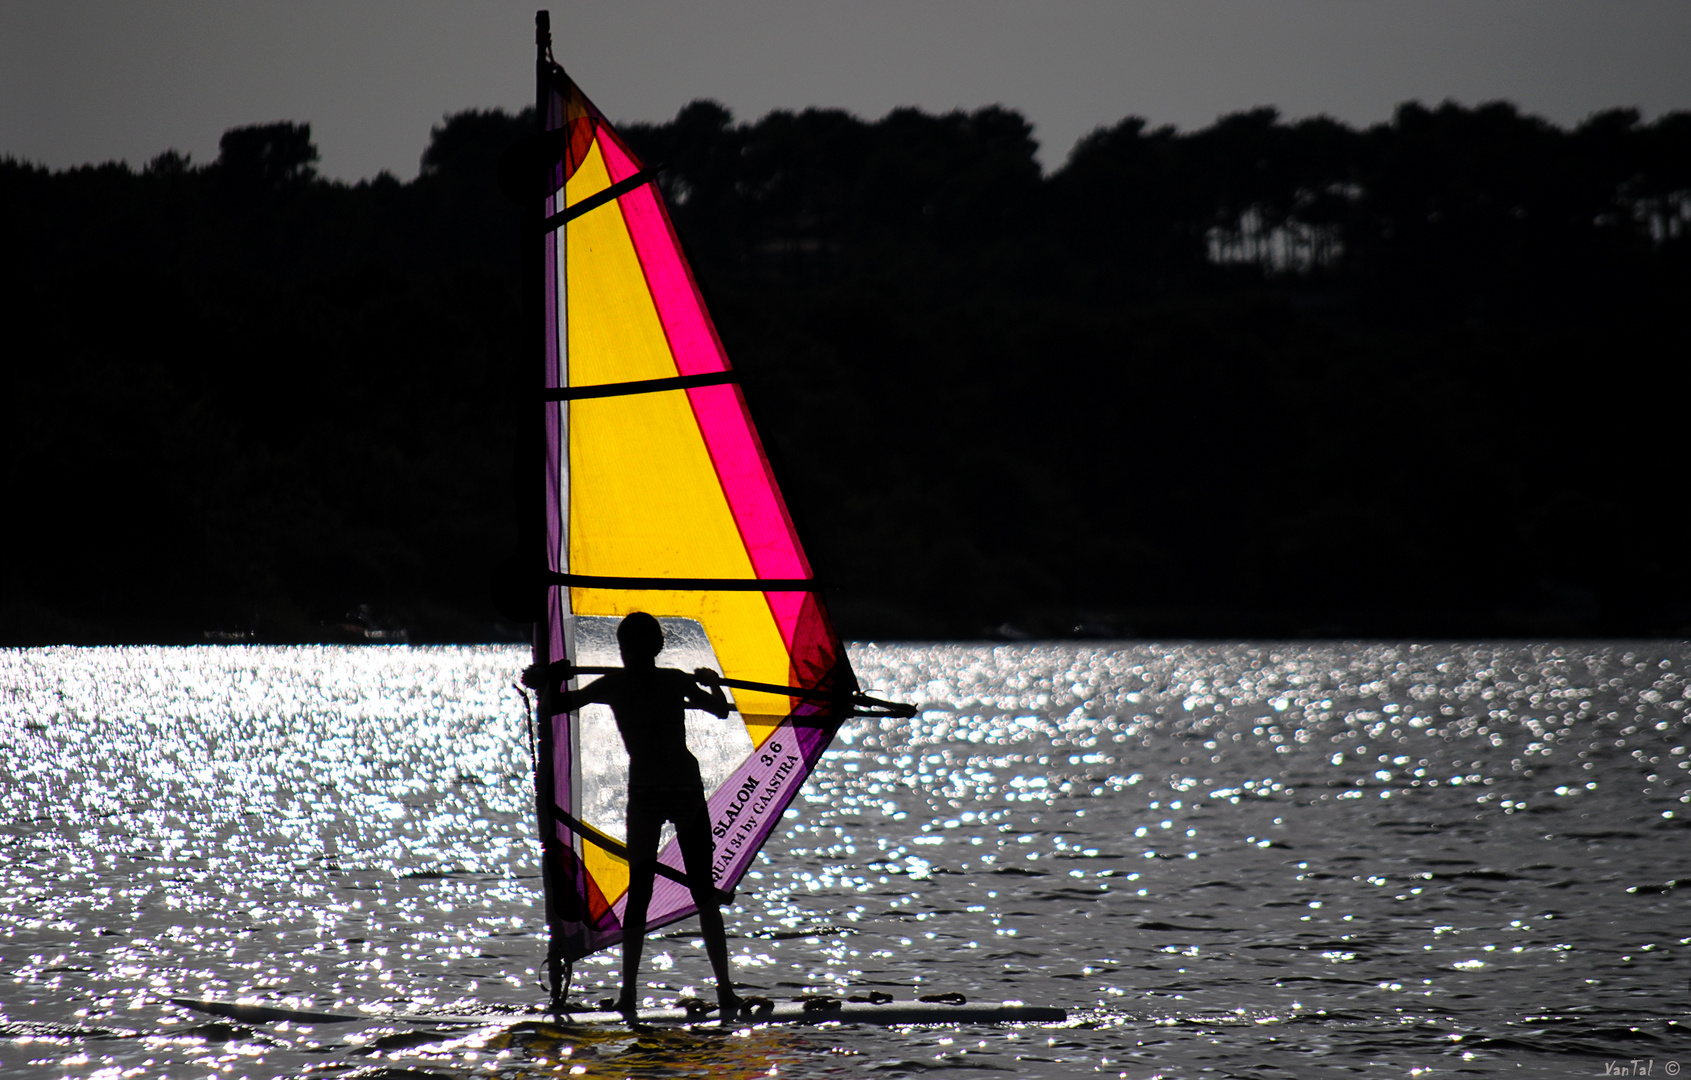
(1218,856)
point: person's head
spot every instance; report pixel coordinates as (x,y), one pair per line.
(640,637)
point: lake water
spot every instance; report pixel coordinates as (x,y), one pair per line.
(1228,860)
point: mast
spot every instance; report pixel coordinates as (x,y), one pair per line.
(534,297)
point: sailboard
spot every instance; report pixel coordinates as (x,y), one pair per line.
(658,497)
(814,1011)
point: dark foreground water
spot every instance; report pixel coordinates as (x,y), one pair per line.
(1229,861)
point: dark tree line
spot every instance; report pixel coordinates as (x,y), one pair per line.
(1425,378)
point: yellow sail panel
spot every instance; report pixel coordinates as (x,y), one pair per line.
(645,502)
(645,499)
(615,334)
(609,872)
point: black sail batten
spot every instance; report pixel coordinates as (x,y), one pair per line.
(639,386)
(600,198)
(611,844)
(599,581)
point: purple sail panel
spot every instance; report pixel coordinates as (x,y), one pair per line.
(570,910)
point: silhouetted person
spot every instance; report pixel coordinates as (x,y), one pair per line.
(664,784)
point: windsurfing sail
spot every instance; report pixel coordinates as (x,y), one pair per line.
(658,498)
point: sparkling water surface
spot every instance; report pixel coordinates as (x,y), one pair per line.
(1226,860)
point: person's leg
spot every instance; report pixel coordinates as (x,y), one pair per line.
(693,831)
(643,828)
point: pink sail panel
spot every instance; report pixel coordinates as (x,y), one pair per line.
(741,464)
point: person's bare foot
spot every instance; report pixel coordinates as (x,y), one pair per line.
(729,1003)
(625,1005)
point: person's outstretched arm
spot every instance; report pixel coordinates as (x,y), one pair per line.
(536,677)
(707,693)
(556,673)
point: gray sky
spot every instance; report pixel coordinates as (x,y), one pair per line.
(96,80)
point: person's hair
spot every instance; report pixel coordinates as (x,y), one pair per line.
(640,635)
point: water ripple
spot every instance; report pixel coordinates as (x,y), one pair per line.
(1221,856)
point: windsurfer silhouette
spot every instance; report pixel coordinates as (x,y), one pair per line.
(664,784)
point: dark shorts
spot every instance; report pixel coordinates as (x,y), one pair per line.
(650,807)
